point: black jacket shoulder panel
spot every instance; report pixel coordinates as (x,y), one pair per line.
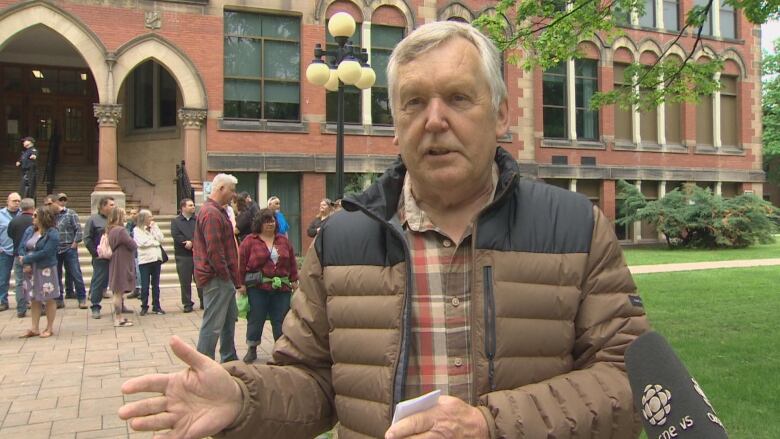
(538,218)
(353,238)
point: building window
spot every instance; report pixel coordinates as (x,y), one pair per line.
(647,19)
(557,99)
(728,22)
(672,123)
(586,84)
(554,113)
(671,10)
(153,97)
(728,111)
(352,96)
(383,40)
(262,66)
(704,121)
(624,126)
(707,28)
(648,122)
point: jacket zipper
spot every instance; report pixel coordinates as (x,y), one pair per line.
(490,323)
(399,372)
(498,198)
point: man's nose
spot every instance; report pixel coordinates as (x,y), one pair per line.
(436,116)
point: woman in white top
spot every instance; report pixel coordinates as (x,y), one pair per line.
(149,239)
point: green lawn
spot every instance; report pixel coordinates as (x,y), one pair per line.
(646,255)
(725,326)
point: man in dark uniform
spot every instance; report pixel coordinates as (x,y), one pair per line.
(182,231)
(28,164)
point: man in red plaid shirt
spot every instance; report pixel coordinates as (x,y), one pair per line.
(216,270)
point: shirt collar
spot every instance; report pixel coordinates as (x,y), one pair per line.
(416,219)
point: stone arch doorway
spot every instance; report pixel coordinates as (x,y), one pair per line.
(48,90)
(149,137)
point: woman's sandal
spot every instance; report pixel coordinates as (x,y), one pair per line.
(46,334)
(29,333)
(123,323)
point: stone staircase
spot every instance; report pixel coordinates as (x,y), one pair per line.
(78,182)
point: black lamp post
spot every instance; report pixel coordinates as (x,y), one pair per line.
(347,66)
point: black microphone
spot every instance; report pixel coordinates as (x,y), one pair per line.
(669,400)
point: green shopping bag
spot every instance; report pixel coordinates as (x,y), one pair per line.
(242,302)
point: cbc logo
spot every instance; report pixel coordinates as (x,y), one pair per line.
(655,404)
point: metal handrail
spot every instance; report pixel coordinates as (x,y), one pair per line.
(136,175)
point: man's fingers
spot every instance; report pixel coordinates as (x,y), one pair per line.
(144,407)
(157,383)
(160,421)
(410,426)
(189,355)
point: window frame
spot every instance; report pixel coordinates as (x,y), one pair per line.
(565,107)
(157,71)
(262,79)
(375,87)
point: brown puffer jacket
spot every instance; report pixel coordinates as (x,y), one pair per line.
(553,310)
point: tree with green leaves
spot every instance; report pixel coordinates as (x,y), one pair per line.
(695,217)
(546,33)
(770,103)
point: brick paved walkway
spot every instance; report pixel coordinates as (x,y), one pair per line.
(67,386)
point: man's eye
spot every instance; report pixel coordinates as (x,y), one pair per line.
(412,102)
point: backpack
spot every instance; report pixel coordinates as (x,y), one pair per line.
(103,248)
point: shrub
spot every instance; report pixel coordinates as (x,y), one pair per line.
(695,217)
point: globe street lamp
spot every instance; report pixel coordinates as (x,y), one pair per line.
(348,65)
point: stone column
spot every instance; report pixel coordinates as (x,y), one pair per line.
(108,116)
(192,121)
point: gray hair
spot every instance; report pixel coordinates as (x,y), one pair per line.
(430,36)
(143,217)
(223,179)
(27,204)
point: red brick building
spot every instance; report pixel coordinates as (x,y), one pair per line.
(134,88)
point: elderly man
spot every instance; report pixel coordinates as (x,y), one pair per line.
(511,297)
(7,214)
(215,257)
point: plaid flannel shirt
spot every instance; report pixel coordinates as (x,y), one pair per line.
(70,229)
(440,349)
(214,249)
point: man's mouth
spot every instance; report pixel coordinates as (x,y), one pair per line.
(438,151)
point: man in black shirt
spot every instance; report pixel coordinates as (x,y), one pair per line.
(28,164)
(16,229)
(182,231)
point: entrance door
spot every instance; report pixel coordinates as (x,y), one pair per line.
(42,123)
(75,129)
(13,128)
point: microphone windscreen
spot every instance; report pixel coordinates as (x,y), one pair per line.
(670,402)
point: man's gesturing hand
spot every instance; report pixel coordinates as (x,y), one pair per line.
(195,403)
(450,418)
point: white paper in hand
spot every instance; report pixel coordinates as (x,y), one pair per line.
(416,405)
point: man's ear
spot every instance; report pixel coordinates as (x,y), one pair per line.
(395,140)
(502,119)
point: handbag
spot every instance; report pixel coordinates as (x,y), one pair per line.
(253,279)
(164,254)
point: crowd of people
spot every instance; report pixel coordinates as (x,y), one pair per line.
(40,247)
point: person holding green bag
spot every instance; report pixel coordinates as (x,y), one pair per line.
(270,273)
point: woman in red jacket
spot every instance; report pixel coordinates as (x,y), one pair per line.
(270,273)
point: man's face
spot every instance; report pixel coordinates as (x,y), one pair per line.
(105,210)
(189,208)
(13,202)
(62,203)
(27,144)
(446,127)
(275,204)
(55,206)
(226,193)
